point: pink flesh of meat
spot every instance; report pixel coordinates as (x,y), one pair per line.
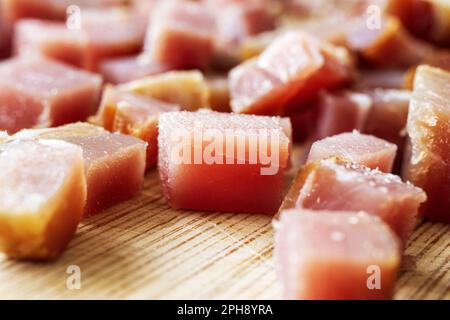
(50,39)
(234,187)
(114,163)
(180,35)
(38,92)
(134,115)
(109,33)
(14,10)
(236,20)
(428,129)
(367,150)
(126,69)
(336,185)
(42,197)
(390,46)
(328,255)
(295,65)
(387,118)
(341,112)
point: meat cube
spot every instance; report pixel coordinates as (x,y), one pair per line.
(134,115)
(367,150)
(109,33)
(42,197)
(114,163)
(295,65)
(388,46)
(340,112)
(126,69)
(50,39)
(236,162)
(185,88)
(428,129)
(336,185)
(219,94)
(39,92)
(13,10)
(335,256)
(387,118)
(236,20)
(180,35)
(104,34)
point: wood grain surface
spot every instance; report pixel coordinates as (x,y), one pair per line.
(142,249)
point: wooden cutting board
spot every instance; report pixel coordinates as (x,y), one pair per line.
(143,249)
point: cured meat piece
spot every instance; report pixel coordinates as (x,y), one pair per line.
(109,33)
(341,112)
(428,129)
(333,184)
(380,79)
(236,20)
(114,163)
(134,115)
(185,88)
(387,118)
(180,35)
(330,29)
(295,65)
(353,146)
(219,94)
(335,255)
(41,199)
(388,46)
(39,92)
(236,162)
(50,39)
(13,10)
(126,69)
(103,34)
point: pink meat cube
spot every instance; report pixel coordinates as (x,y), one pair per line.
(103,34)
(38,92)
(336,185)
(330,255)
(236,19)
(341,112)
(236,162)
(388,46)
(428,129)
(367,150)
(135,115)
(50,39)
(126,69)
(180,35)
(109,33)
(13,10)
(42,197)
(114,164)
(295,66)
(387,118)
